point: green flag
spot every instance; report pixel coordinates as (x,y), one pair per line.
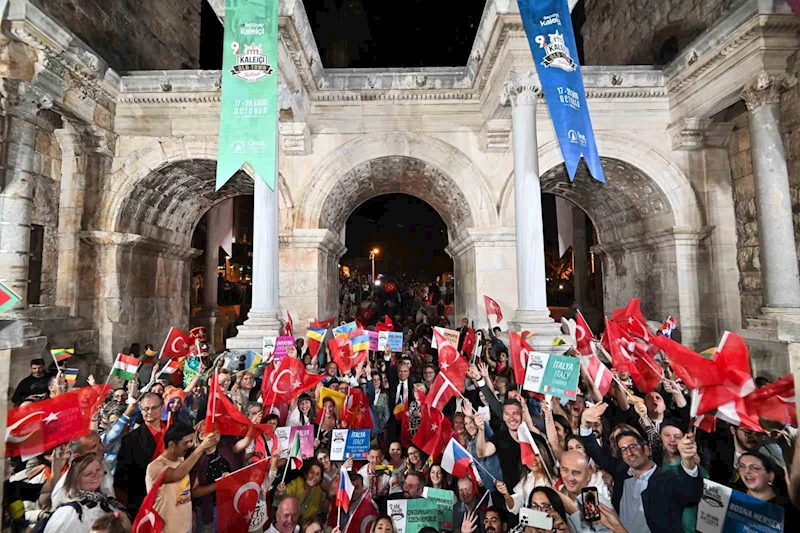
(248,125)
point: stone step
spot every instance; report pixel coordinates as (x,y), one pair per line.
(45,312)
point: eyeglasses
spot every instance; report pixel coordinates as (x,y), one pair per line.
(749,433)
(630,448)
(152,408)
(543,507)
(750,468)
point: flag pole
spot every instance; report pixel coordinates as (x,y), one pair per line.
(58,368)
(214,403)
(483,468)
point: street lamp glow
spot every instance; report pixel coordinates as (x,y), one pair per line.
(377,283)
(376,251)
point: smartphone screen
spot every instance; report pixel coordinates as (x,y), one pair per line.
(591,504)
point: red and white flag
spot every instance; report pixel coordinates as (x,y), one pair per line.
(632,321)
(357,413)
(493,308)
(469,342)
(775,401)
(147,519)
(288,329)
(385,325)
(343,355)
(692,368)
(527,446)
(434,431)
(364,516)
(520,352)
(223,417)
(601,376)
(35,428)
(287,381)
(176,344)
(238,497)
(583,335)
(442,389)
(451,363)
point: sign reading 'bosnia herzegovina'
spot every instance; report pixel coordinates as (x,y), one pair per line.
(248,125)
(552,41)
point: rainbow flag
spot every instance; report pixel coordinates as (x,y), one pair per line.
(71,375)
(62,354)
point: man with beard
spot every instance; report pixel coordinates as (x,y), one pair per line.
(727,450)
(494,521)
(648,498)
(33,385)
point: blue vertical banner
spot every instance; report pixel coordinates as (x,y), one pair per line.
(552,41)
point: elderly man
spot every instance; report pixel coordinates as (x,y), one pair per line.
(576,476)
(468,503)
(286,517)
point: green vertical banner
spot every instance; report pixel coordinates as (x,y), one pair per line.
(248,123)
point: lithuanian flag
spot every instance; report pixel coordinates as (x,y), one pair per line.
(62,354)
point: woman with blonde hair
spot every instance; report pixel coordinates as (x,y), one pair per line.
(84,503)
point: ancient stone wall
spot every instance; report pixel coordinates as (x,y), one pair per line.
(642,32)
(46,193)
(134,35)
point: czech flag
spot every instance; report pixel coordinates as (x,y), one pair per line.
(345,491)
(456,459)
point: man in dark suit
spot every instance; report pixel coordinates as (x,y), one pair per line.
(138,449)
(646,497)
(401,390)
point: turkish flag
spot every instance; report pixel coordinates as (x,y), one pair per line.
(451,363)
(223,417)
(357,413)
(147,519)
(176,344)
(434,431)
(363,517)
(694,370)
(583,335)
(323,324)
(733,358)
(343,356)
(493,308)
(365,316)
(469,342)
(775,401)
(238,497)
(624,357)
(287,381)
(520,351)
(385,325)
(632,321)
(40,426)
(288,329)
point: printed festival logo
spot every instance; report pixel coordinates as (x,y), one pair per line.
(556,52)
(251,63)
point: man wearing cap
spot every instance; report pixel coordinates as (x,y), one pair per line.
(33,385)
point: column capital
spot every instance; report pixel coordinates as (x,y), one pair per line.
(521,89)
(766,89)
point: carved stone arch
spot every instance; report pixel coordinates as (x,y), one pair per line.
(644,191)
(363,168)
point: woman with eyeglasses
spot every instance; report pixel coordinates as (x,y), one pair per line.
(84,502)
(546,500)
(764,480)
(417,459)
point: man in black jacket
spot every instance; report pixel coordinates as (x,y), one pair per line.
(647,498)
(138,449)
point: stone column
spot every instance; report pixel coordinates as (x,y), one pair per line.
(16,202)
(210,285)
(580,259)
(264,317)
(532,314)
(779,270)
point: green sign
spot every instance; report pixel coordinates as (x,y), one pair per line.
(248,125)
(552,374)
(409,516)
(444,500)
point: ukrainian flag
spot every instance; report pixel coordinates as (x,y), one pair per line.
(317,334)
(359,339)
(344,331)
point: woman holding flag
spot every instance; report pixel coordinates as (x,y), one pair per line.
(307,490)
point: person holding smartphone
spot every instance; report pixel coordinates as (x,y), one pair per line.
(587,509)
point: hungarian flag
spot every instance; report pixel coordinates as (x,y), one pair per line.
(343,354)
(583,335)
(364,516)
(527,446)
(238,497)
(295,454)
(385,325)
(223,417)
(125,367)
(469,342)
(315,337)
(450,361)
(434,431)
(692,368)
(41,426)
(288,329)
(345,491)
(601,376)
(172,366)
(287,381)
(456,460)
(176,344)
(147,519)
(520,351)
(62,354)
(324,324)
(357,410)
(775,401)
(493,308)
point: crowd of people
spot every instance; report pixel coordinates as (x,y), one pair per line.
(623,461)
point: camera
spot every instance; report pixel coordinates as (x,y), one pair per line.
(537,519)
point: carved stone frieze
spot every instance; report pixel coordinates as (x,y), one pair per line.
(295,138)
(496,135)
(767,89)
(521,89)
(23,99)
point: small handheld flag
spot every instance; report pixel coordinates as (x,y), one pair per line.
(345,491)
(125,367)
(71,375)
(62,354)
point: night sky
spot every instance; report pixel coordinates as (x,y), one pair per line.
(409,233)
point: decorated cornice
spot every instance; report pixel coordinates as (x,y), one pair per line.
(139,244)
(654,239)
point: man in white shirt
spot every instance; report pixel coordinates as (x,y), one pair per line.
(374,482)
(286,517)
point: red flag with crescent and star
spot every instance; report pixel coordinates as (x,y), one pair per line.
(343,355)
(357,411)
(434,431)
(238,497)
(287,381)
(223,417)
(147,519)
(451,363)
(493,308)
(385,325)
(520,351)
(35,428)
(288,329)
(323,323)
(469,342)
(583,335)
(176,344)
